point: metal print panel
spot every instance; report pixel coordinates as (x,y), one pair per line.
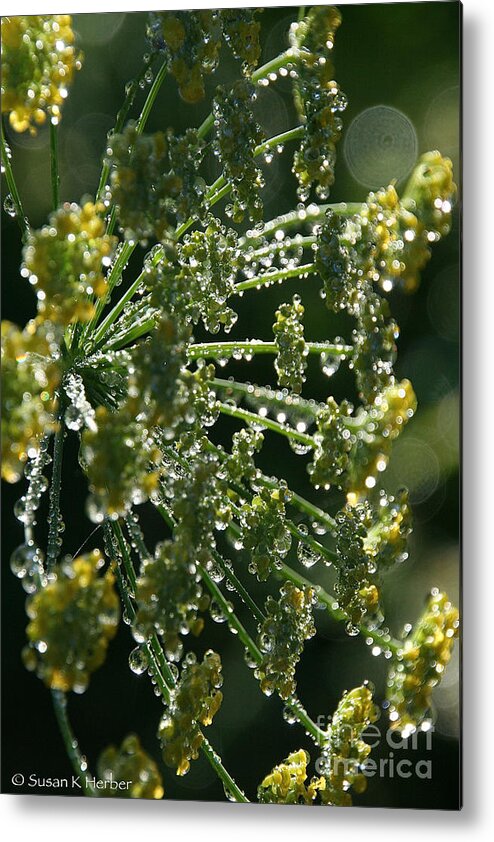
(230,405)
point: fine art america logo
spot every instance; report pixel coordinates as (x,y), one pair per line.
(394,764)
(34,781)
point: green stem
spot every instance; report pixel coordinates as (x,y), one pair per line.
(12,186)
(55,177)
(105,325)
(294,219)
(275,276)
(127,248)
(71,745)
(281,245)
(151,97)
(229,784)
(257,346)
(254,419)
(383,640)
(54,516)
(230,616)
(272,397)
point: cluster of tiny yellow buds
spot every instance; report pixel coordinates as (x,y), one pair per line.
(38,64)
(65,262)
(431,191)
(240,463)
(120,460)
(195,701)
(169,596)
(343,756)
(237,136)
(282,635)
(210,260)
(29,376)
(420,664)
(386,540)
(200,505)
(374,341)
(191,43)
(287,783)
(332,445)
(264,531)
(241,31)
(291,359)
(154,181)
(156,388)
(389,241)
(376,427)
(129,771)
(318,100)
(71,622)
(356,588)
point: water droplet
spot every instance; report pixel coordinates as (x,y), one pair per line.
(138,660)
(9,205)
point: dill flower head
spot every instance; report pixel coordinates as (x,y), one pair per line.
(38,64)
(65,262)
(30,375)
(71,622)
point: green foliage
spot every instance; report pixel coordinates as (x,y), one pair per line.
(318,99)
(154,181)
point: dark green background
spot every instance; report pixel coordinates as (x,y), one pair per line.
(401,55)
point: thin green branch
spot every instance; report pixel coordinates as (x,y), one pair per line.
(254,420)
(276,276)
(294,219)
(79,764)
(221,350)
(105,325)
(12,186)
(54,515)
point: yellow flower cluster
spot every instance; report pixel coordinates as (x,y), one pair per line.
(196,701)
(29,378)
(420,664)
(72,621)
(65,262)
(38,64)
(347,750)
(130,763)
(286,784)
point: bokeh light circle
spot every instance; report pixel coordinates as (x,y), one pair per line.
(380,145)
